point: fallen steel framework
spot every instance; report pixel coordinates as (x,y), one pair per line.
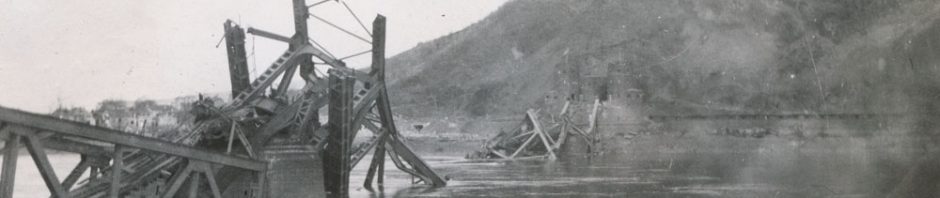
(123,164)
(534,140)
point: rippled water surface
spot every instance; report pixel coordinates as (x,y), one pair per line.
(647,167)
(723,167)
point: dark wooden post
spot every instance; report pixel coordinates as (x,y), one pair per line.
(8,176)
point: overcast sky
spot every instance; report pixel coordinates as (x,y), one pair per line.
(76,53)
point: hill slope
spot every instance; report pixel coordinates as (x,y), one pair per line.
(727,55)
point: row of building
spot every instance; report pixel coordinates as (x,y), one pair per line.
(142,121)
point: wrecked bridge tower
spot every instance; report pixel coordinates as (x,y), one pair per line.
(245,148)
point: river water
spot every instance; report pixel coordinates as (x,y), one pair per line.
(29,183)
(678,167)
(649,166)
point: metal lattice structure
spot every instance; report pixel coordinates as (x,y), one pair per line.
(127,165)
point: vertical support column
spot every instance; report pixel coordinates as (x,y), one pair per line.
(237,58)
(377,168)
(378,73)
(8,176)
(592,127)
(301,13)
(301,35)
(377,165)
(338,142)
(384,106)
(307,68)
(117,169)
(380,173)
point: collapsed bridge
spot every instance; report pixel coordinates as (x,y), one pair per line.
(227,152)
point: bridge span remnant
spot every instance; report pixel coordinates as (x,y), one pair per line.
(225,152)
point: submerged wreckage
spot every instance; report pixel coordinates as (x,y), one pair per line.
(591,106)
(538,136)
(246,148)
(576,128)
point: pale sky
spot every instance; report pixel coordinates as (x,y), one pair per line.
(81,52)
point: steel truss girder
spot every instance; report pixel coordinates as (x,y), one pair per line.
(388,139)
(40,132)
(69,128)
